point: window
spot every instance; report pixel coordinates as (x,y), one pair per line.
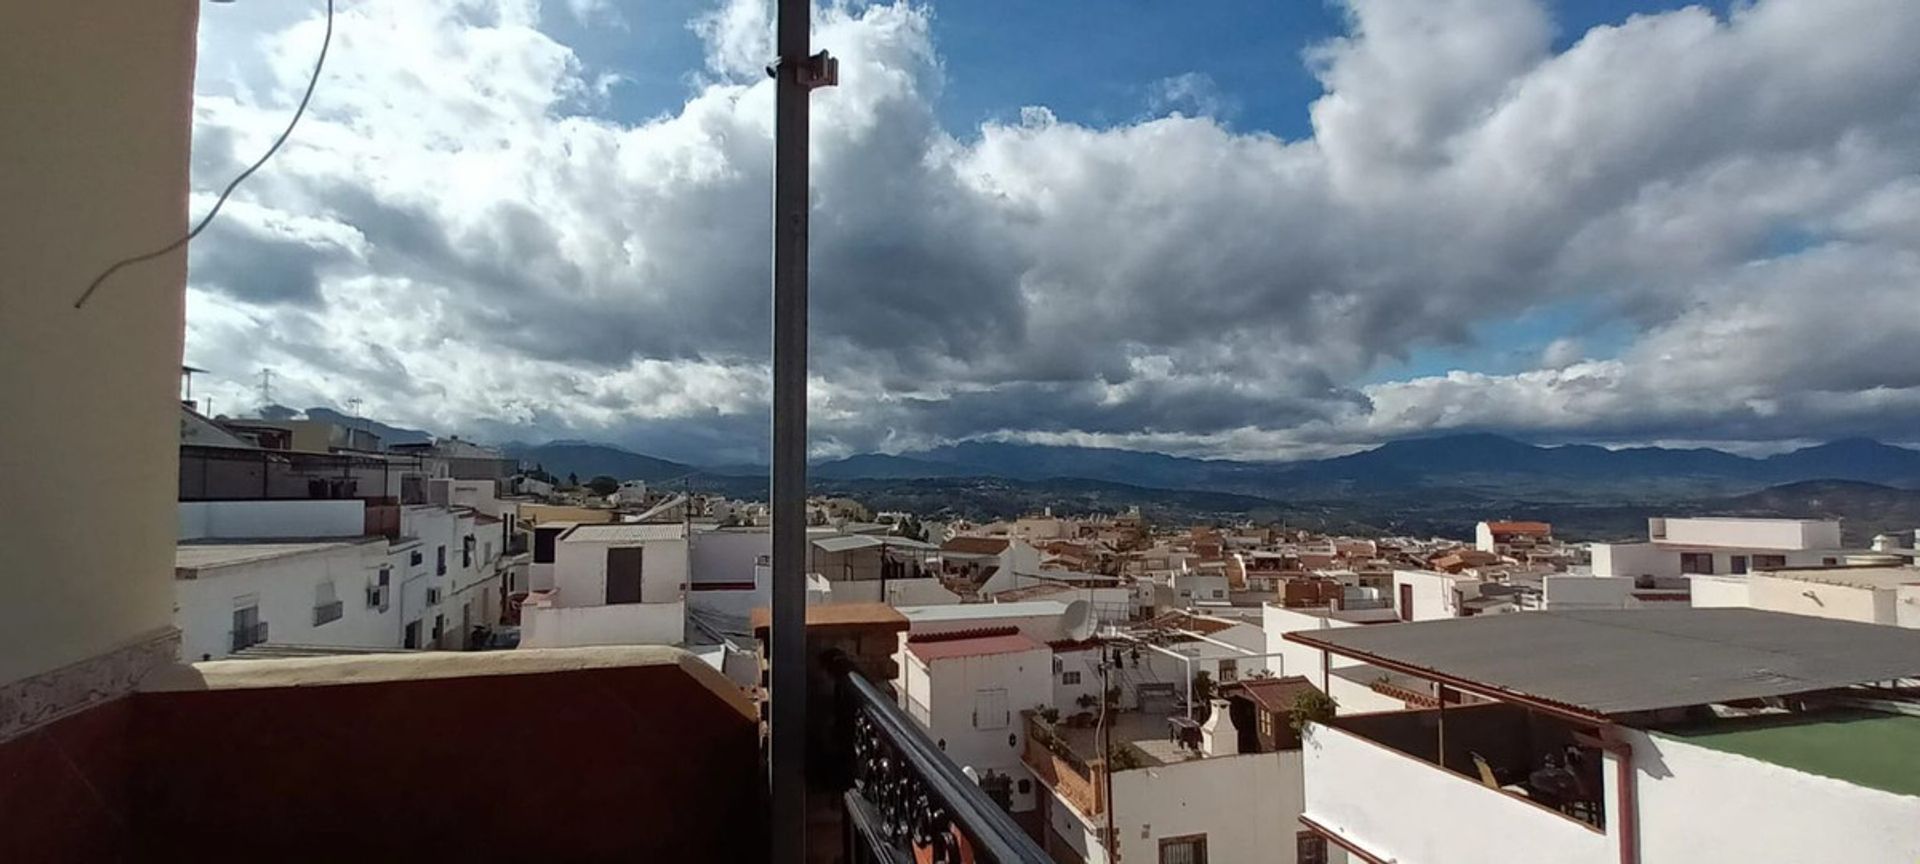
(414,558)
(1309,848)
(1737,564)
(248,629)
(466,553)
(1229,670)
(1189,849)
(1829,562)
(1266,724)
(543,539)
(327,607)
(1069,677)
(377,595)
(1700,563)
(487,554)
(990,709)
(623,575)
(439,628)
(440,561)
(1769,562)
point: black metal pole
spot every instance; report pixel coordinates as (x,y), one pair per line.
(786,747)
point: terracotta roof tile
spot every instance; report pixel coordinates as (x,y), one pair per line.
(979,646)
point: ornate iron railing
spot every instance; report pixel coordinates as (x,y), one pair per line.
(906,800)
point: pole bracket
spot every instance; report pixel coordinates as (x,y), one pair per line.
(813,73)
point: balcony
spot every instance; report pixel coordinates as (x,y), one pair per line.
(906,800)
(878,790)
(591,754)
(328,612)
(1375,784)
(1052,759)
(249,635)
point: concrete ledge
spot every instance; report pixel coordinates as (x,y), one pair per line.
(433,665)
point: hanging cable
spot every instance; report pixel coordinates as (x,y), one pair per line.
(205,220)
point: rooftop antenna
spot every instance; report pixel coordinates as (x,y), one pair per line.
(266,387)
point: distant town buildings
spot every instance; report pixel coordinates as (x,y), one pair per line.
(1137,692)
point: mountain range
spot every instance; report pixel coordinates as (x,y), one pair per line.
(1478,461)
(1489,464)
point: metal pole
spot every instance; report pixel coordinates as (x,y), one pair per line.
(786,747)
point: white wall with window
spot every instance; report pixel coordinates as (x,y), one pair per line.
(973,704)
(312,593)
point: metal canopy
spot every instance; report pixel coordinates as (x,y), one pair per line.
(1606,662)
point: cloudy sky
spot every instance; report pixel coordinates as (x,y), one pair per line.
(1224,228)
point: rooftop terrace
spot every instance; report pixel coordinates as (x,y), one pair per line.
(1865,748)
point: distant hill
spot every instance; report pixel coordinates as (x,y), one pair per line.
(1426,484)
(388,434)
(986,498)
(1489,463)
(586,460)
(882,466)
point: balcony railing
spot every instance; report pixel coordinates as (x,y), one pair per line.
(326,612)
(906,800)
(250,635)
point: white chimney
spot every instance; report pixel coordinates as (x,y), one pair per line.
(1218,737)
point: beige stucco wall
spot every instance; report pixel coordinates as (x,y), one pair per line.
(98,108)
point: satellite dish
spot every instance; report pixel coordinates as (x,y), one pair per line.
(1078,620)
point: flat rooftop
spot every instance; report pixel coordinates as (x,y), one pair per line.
(1601,663)
(982,611)
(1879,578)
(624,532)
(210,554)
(1865,748)
(1150,734)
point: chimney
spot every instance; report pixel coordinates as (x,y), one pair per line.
(1218,737)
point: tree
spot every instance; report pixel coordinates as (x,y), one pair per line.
(1202,687)
(603,485)
(573,480)
(1311,706)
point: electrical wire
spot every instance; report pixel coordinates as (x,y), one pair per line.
(222,200)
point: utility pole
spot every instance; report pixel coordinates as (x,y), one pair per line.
(795,74)
(1105,734)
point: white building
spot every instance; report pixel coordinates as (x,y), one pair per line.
(1506,538)
(1423,595)
(1887,595)
(968,689)
(613,584)
(1710,546)
(1229,789)
(1196,585)
(302,573)
(1672,750)
(631,492)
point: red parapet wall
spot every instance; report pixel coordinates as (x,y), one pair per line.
(629,763)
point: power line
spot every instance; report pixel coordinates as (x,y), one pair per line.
(222,200)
